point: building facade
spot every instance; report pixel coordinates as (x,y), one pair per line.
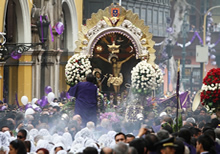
(38,67)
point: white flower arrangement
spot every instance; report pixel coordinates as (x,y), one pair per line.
(143,78)
(159,76)
(212,87)
(77,67)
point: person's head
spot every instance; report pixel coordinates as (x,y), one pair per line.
(202,111)
(22,134)
(116,126)
(139,145)
(163,134)
(204,143)
(90,150)
(215,122)
(17,147)
(106,150)
(132,150)
(195,132)
(210,133)
(180,148)
(56,109)
(42,151)
(120,137)
(58,148)
(152,140)
(129,138)
(90,78)
(78,119)
(55,100)
(121,148)
(5,128)
(27,145)
(185,134)
(166,126)
(166,146)
(105,123)
(90,125)
(113,59)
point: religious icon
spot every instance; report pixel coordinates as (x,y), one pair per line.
(116,78)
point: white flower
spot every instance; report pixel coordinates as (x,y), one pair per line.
(75,72)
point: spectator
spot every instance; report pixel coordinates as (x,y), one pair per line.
(166,146)
(42,151)
(205,145)
(129,138)
(22,135)
(120,137)
(17,147)
(90,150)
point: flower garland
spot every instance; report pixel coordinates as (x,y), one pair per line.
(210,95)
(159,76)
(77,67)
(111,116)
(143,78)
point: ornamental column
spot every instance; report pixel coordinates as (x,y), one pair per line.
(25,76)
(36,73)
(56,73)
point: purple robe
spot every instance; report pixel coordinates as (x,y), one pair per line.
(86,101)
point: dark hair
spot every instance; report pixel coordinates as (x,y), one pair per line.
(185,134)
(152,140)
(203,109)
(207,143)
(44,150)
(90,150)
(214,122)
(27,145)
(57,108)
(116,126)
(120,133)
(44,118)
(19,146)
(91,78)
(129,135)
(210,133)
(167,127)
(24,132)
(138,144)
(103,152)
(180,148)
(195,131)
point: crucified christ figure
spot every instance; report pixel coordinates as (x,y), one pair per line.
(116,78)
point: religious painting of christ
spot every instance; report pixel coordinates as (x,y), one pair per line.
(114,54)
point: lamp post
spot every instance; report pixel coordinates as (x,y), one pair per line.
(15,50)
(184,36)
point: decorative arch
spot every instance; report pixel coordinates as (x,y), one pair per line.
(23,21)
(71,24)
(134,39)
(125,22)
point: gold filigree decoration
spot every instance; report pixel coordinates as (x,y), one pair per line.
(106,16)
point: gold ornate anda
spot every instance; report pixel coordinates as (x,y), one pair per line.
(126,19)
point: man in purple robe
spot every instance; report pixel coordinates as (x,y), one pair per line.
(86,99)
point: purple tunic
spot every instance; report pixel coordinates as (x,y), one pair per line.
(86,101)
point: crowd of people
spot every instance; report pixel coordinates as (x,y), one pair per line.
(53,131)
(87,128)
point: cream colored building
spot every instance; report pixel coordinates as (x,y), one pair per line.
(37,67)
